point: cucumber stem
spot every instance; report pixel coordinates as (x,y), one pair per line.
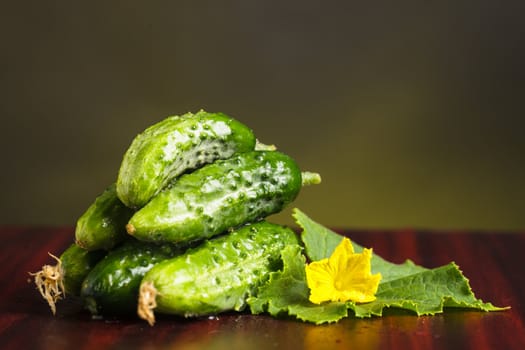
(50,283)
(259,146)
(310,178)
(147,302)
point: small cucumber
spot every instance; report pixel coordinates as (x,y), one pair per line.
(54,282)
(76,264)
(111,287)
(102,225)
(174,146)
(220,196)
(216,276)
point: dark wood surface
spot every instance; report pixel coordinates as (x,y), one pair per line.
(492,261)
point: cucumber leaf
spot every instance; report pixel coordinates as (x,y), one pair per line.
(286,293)
(320,242)
(405,286)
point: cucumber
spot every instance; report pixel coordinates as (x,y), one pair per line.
(174,146)
(102,226)
(54,282)
(220,196)
(111,287)
(76,264)
(216,276)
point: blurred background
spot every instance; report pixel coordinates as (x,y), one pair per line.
(412,111)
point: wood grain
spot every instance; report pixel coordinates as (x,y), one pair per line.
(492,261)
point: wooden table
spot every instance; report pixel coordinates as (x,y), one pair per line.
(492,261)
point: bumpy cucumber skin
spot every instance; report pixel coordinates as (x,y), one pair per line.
(102,226)
(111,287)
(76,263)
(219,196)
(220,274)
(176,145)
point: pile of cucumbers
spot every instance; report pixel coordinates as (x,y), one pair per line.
(183,229)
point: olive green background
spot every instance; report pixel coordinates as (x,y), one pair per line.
(412,111)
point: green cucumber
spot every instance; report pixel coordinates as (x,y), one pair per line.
(54,282)
(220,196)
(102,225)
(174,146)
(76,264)
(216,276)
(111,287)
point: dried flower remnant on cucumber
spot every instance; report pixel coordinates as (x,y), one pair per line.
(54,282)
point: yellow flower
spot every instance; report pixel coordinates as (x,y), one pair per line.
(345,276)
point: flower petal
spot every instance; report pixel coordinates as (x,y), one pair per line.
(339,257)
(356,281)
(320,281)
(345,276)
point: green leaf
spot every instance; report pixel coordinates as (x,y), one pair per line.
(404,286)
(286,293)
(320,242)
(424,293)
